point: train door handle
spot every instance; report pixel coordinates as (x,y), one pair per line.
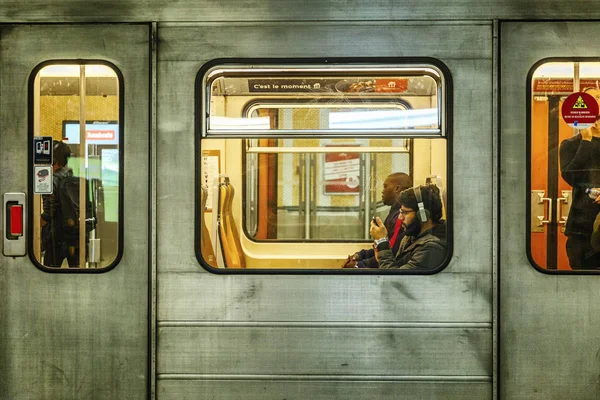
(537,207)
(560,217)
(541,218)
(15,222)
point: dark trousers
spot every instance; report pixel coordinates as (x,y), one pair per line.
(580,253)
(57,252)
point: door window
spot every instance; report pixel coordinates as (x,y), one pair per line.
(76,141)
(564,153)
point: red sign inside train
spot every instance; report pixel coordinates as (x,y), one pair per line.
(104,134)
(391,85)
(580,110)
(342,171)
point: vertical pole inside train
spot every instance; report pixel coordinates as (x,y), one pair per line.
(552,238)
(82,170)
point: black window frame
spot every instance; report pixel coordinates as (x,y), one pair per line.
(30,135)
(446,120)
(528,99)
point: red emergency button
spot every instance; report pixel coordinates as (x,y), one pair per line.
(16,220)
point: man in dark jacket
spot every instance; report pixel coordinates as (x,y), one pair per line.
(580,168)
(56,244)
(596,234)
(421,248)
(393,185)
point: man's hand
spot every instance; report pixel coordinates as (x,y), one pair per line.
(378,229)
(586,134)
(351,261)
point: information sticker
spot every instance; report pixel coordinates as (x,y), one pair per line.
(42,179)
(580,110)
(42,150)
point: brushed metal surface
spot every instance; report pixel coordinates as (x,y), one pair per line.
(289,10)
(495,205)
(441,298)
(461,294)
(548,323)
(321,390)
(76,336)
(153,219)
(324,351)
(184,49)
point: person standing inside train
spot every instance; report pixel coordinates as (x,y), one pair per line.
(393,185)
(55,242)
(423,246)
(580,168)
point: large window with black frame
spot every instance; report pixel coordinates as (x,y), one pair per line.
(302,167)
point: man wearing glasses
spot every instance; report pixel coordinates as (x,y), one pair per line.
(420,249)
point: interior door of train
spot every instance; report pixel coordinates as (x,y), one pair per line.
(551,195)
(548,308)
(76,328)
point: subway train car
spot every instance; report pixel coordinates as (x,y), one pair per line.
(183,182)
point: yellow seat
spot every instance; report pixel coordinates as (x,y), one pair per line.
(206,247)
(228,233)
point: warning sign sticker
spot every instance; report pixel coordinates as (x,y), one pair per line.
(42,183)
(580,110)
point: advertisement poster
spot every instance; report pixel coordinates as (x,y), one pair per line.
(210,172)
(342,171)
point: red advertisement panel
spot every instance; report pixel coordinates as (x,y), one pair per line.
(342,172)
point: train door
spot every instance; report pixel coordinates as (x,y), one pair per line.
(551,195)
(74,98)
(549,303)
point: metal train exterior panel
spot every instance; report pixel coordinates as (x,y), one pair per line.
(160,320)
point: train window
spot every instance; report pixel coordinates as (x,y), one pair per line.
(295,162)
(76,139)
(564,158)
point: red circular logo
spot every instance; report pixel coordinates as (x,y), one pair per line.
(580,110)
